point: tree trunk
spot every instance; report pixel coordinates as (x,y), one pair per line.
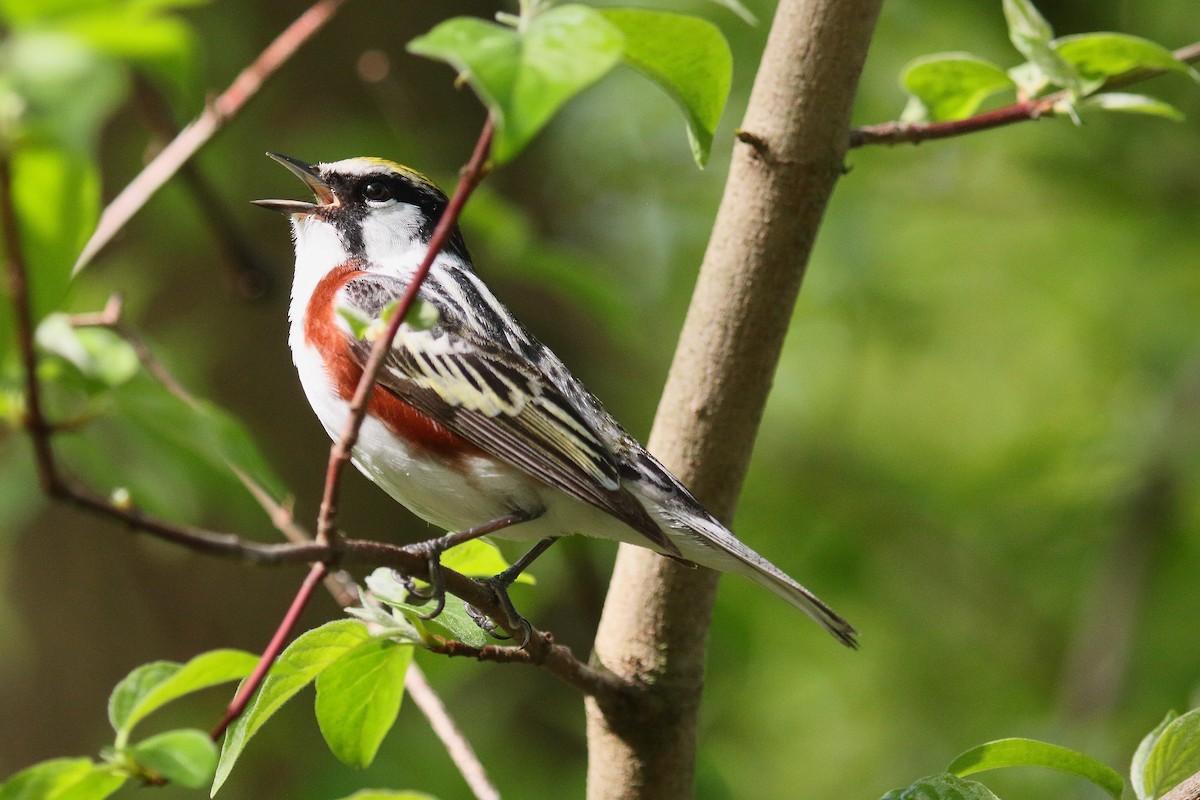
(653,631)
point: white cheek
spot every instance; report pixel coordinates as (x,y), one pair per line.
(391,232)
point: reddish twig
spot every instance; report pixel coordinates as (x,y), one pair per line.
(227,104)
(1024,111)
(315,574)
(339,453)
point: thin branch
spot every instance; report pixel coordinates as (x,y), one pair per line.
(474,172)
(272,651)
(544,652)
(1024,111)
(341,586)
(223,108)
(557,659)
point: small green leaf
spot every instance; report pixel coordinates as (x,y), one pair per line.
(524,77)
(1131,104)
(63,779)
(953,85)
(1030,80)
(184,757)
(1032,753)
(152,686)
(298,665)
(1137,767)
(1174,756)
(688,57)
(358,322)
(453,619)
(133,688)
(1031,34)
(358,698)
(99,354)
(942,787)
(1100,56)
(479,558)
(422,315)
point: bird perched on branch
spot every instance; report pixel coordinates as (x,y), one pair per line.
(474,424)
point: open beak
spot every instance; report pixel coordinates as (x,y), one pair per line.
(312,178)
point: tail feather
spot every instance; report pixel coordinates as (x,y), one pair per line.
(709,543)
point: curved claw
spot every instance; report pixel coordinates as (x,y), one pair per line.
(499,585)
(437,583)
(485,623)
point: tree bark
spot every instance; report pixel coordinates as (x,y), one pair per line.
(653,633)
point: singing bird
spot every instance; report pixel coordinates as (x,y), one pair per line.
(474,424)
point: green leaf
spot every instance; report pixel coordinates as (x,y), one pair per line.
(358,698)
(63,90)
(1174,756)
(358,322)
(953,85)
(1137,767)
(56,194)
(1131,104)
(1100,56)
(128,694)
(196,431)
(453,619)
(525,77)
(479,558)
(63,779)
(1030,80)
(137,33)
(298,665)
(688,57)
(153,685)
(942,787)
(184,757)
(1031,35)
(98,354)
(1032,753)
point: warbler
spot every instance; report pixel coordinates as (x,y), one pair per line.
(475,425)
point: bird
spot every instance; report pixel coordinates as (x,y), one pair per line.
(474,425)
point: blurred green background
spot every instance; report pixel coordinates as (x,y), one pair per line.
(983,446)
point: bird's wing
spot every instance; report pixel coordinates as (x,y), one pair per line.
(504,404)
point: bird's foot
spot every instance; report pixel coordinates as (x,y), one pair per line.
(513,620)
(432,552)
(499,586)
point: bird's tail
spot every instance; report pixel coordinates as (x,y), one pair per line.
(707,542)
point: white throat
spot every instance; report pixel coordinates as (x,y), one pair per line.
(318,250)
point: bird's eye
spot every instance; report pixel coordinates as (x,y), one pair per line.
(377,192)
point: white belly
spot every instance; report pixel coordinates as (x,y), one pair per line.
(444,493)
